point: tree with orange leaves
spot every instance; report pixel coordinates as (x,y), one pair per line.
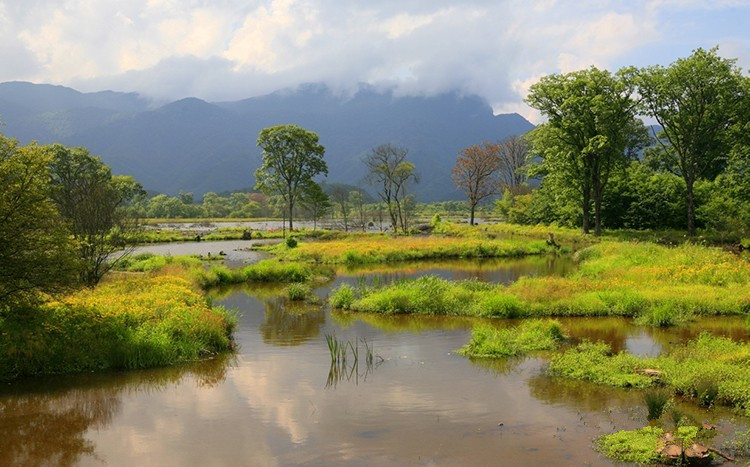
(476,173)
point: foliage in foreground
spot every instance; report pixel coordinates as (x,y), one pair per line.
(711,370)
(660,286)
(643,446)
(490,342)
(133,323)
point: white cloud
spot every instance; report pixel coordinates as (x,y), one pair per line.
(229,49)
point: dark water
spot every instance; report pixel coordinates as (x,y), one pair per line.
(278,401)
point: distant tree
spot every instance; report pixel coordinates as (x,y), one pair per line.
(390,172)
(292,157)
(591,115)
(186,197)
(315,201)
(95,205)
(36,252)
(214,205)
(476,173)
(513,152)
(695,100)
(357,201)
(340,198)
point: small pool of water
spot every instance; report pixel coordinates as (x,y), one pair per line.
(236,253)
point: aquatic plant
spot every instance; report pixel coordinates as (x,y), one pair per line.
(713,370)
(638,446)
(490,342)
(656,401)
(297,291)
(343,297)
(262,271)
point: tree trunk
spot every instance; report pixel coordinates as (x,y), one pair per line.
(690,208)
(586,212)
(598,214)
(471,220)
(291,209)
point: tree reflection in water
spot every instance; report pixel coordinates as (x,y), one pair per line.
(290,323)
(45,420)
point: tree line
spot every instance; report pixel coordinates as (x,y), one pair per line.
(601,166)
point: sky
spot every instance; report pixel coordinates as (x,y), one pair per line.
(230,49)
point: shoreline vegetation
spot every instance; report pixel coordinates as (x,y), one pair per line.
(657,285)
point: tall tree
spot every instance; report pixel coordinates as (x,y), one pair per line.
(695,100)
(96,207)
(513,152)
(292,157)
(476,173)
(316,202)
(36,252)
(591,114)
(390,172)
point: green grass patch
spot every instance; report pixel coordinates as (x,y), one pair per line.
(710,370)
(124,324)
(659,286)
(149,262)
(490,342)
(263,271)
(637,446)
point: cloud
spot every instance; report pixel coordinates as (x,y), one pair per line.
(230,49)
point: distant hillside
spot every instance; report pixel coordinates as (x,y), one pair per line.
(193,145)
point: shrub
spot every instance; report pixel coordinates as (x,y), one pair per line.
(291,242)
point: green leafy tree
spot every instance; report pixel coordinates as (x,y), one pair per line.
(36,252)
(96,206)
(591,125)
(316,202)
(292,157)
(696,102)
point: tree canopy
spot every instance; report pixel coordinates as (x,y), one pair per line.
(292,157)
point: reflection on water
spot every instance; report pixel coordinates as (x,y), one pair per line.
(268,404)
(45,421)
(290,323)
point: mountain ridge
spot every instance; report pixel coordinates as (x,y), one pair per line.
(194,145)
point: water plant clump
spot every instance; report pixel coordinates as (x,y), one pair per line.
(262,271)
(712,370)
(490,342)
(638,446)
(298,291)
(342,368)
(656,402)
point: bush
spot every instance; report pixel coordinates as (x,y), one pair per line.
(291,242)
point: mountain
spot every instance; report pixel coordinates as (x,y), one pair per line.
(198,146)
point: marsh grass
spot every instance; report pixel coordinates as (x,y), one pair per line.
(124,324)
(262,271)
(656,402)
(298,291)
(710,370)
(343,368)
(490,342)
(659,286)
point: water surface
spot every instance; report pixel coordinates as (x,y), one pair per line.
(278,401)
